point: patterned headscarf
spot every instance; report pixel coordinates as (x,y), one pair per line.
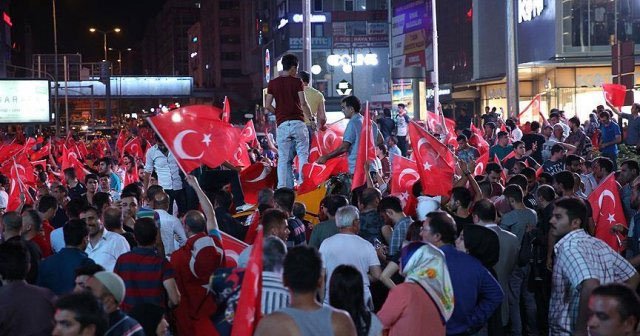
(427,267)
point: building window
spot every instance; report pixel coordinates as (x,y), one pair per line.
(348,5)
(317,5)
(231,73)
(317,30)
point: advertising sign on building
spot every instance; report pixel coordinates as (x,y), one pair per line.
(316,43)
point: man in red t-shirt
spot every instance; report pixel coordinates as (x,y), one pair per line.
(291,109)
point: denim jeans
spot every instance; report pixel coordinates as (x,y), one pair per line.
(519,293)
(291,133)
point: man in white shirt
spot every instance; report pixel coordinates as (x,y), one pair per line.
(347,248)
(104,246)
(160,160)
(171,229)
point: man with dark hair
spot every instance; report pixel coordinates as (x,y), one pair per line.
(478,294)
(502,148)
(520,155)
(129,207)
(386,124)
(315,99)
(146,275)
(104,246)
(402,128)
(555,163)
(25,309)
(222,203)
(391,211)
(459,204)
(581,264)
(494,172)
(112,220)
(274,223)
(610,137)
(101,201)
(351,108)
(466,152)
(371,222)
(57,272)
(12,233)
(304,277)
(291,110)
(91,182)
(578,138)
(484,213)
(83,273)
(79,314)
(490,115)
(326,229)
(633,127)
(76,189)
(194,263)
(164,164)
(32,230)
(47,207)
(629,171)
(573,163)
(614,310)
(60,193)
(284,199)
(104,170)
(534,141)
(104,185)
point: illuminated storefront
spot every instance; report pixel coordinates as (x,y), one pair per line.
(563,49)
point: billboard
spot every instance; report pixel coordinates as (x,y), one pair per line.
(24,101)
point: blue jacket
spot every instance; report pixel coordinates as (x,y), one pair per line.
(477,293)
(57,272)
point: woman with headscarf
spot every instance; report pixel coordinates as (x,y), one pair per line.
(424,302)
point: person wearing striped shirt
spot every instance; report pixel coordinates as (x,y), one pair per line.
(274,295)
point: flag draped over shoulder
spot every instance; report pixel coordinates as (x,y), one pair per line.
(607,211)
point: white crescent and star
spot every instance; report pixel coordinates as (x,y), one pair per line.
(408,171)
(265,172)
(313,165)
(177,145)
(479,168)
(329,134)
(606,193)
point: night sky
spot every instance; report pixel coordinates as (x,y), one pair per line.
(74,19)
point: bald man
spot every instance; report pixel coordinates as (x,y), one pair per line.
(171,230)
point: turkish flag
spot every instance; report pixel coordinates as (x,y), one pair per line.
(249,134)
(226,110)
(240,156)
(607,212)
(314,174)
(435,161)
(10,150)
(70,159)
(25,169)
(43,152)
(366,151)
(18,174)
(326,141)
(481,164)
(248,311)
(508,156)
(256,177)
(122,138)
(614,94)
(232,249)
(133,148)
(195,139)
(132,177)
(503,175)
(478,141)
(539,172)
(100,148)
(82,148)
(404,173)
(532,111)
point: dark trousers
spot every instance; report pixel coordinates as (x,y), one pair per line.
(402,144)
(180,197)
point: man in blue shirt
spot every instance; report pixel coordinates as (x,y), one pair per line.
(477,292)
(351,109)
(57,272)
(610,138)
(502,148)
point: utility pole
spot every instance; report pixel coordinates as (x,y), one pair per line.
(55,68)
(306,36)
(513,108)
(435,78)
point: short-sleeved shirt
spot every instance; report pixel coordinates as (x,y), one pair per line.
(284,90)
(322,231)
(297,233)
(143,272)
(553,167)
(516,221)
(609,133)
(500,151)
(314,99)
(387,126)
(511,162)
(580,257)
(108,249)
(469,154)
(352,136)
(402,123)
(529,140)
(371,224)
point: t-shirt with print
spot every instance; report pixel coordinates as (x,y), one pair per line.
(285,92)
(402,124)
(553,167)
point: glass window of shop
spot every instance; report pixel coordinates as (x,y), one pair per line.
(367,69)
(590,25)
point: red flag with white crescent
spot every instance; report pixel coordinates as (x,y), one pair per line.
(256,177)
(436,163)
(532,111)
(477,140)
(366,151)
(232,249)
(607,211)
(249,134)
(404,173)
(248,311)
(326,141)
(43,152)
(70,159)
(195,139)
(314,174)
(614,94)
(133,148)
(481,164)
(122,138)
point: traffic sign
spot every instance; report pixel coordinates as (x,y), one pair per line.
(344,88)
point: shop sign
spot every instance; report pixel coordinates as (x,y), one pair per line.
(414,41)
(316,42)
(377,28)
(267,66)
(362,41)
(496,92)
(529,9)
(410,17)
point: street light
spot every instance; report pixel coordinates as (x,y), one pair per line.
(120,57)
(104,34)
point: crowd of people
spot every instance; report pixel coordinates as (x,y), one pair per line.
(137,247)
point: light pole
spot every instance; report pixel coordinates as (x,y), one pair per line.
(55,67)
(120,57)
(104,35)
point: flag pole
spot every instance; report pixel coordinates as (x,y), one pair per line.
(435,74)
